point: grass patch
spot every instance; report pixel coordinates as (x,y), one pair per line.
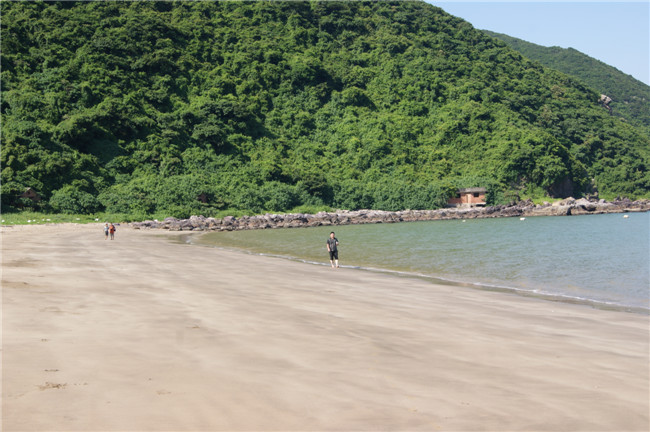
(36,218)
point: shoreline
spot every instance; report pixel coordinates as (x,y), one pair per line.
(544,296)
(567,207)
(148,333)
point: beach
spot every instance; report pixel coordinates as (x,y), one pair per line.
(148,333)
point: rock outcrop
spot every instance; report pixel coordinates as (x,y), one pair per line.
(567,207)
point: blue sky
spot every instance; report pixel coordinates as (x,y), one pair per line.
(614,32)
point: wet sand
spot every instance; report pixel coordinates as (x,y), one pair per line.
(145,333)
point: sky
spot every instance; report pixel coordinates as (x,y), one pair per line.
(614,32)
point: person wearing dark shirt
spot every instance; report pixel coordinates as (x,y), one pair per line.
(332,248)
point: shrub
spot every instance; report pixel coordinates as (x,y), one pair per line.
(71,200)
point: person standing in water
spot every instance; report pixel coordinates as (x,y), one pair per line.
(332,248)
(106,231)
(111,230)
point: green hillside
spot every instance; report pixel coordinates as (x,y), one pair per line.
(199,107)
(630,97)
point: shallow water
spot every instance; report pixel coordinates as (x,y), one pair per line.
(603,260)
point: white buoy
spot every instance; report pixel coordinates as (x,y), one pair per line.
(625,216)
(522,218)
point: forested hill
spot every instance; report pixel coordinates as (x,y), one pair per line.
(630,97)
(197,107)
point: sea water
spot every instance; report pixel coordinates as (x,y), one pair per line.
(601,260)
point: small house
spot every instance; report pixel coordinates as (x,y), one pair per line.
(31,194)
(28,197)
(468,197)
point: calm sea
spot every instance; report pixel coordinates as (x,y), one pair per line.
(602,260)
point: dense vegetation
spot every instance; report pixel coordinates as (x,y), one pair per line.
(630,97)
(201,107)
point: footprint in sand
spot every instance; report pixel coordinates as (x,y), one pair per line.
(49,385)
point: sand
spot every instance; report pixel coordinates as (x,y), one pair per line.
(146,333)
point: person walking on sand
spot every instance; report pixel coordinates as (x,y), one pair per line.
(111,230)
(332,248)
(106,231)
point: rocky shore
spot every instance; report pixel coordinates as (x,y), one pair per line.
(566,207)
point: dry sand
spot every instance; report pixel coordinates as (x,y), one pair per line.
(148,334)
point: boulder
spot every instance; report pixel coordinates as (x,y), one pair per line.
(583,205)
(564,202)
